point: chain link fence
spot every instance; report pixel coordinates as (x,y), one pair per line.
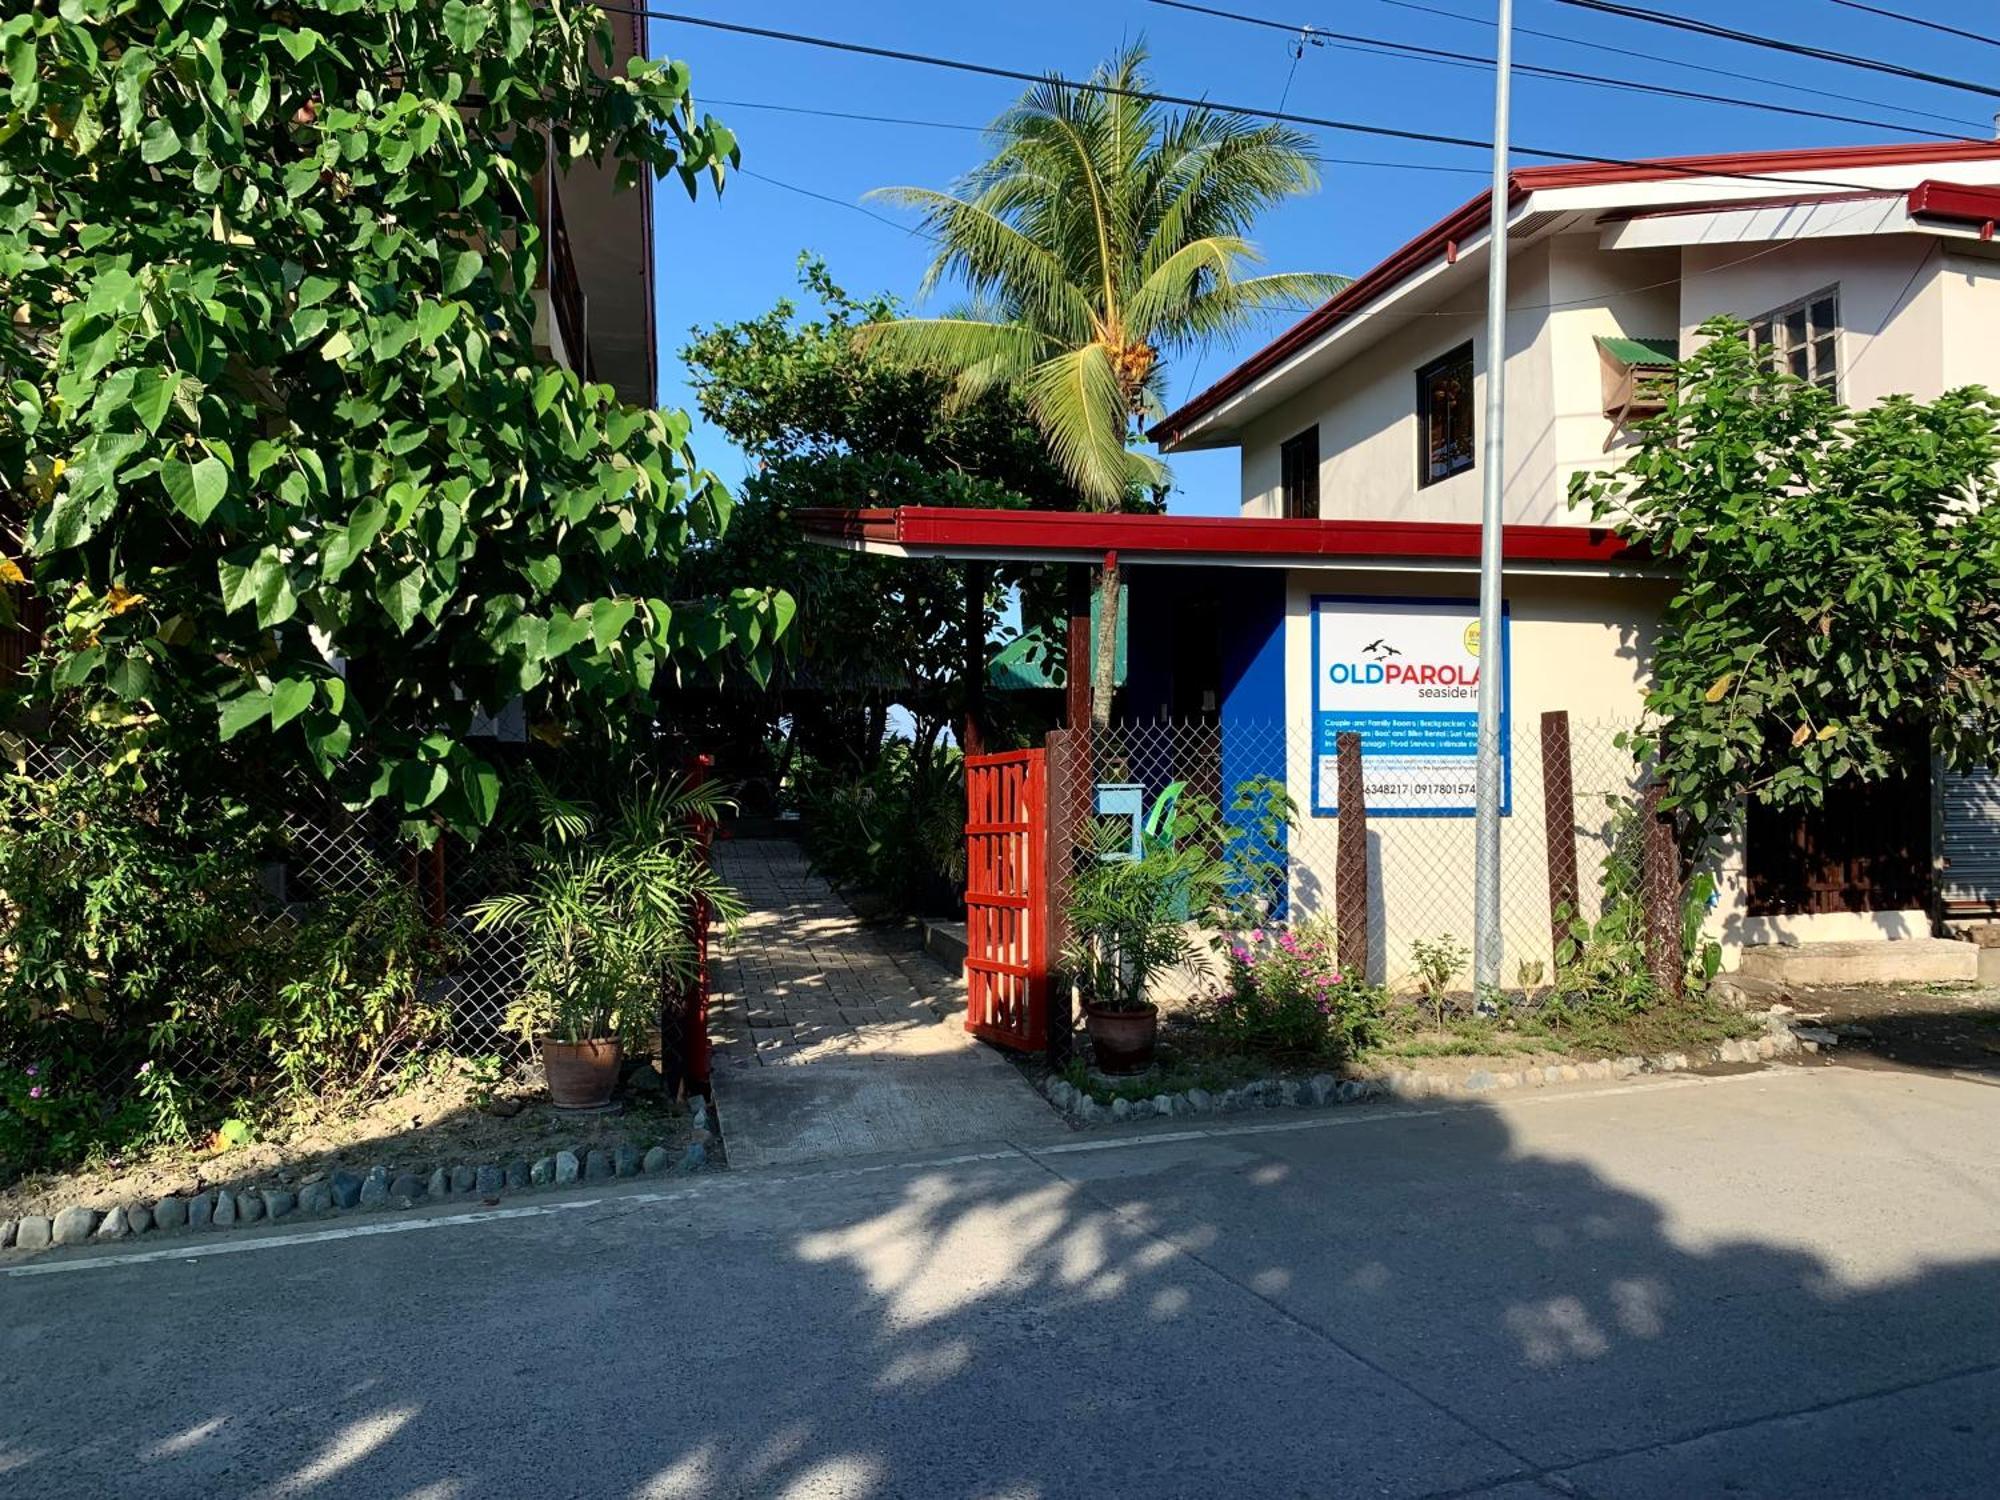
(314,858)
(1380,850)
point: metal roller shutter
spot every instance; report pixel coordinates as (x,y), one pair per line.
(1969,866)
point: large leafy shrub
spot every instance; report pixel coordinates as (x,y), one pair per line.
(149,983)
(1286,994)
(272,398)
(1836,611)
(895,829)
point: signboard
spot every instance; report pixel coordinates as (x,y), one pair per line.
(1404,675)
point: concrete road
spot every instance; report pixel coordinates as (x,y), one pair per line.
(1776,1284)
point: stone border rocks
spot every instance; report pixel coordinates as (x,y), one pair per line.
(344,1192)
(1780,1039)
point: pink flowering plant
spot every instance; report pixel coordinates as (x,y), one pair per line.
(1287,994)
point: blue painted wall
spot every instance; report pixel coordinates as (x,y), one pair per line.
(1208,645)
(1253,715)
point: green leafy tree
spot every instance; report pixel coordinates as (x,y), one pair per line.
(275,444)
(1836,609)
(831,424)
(1102,235)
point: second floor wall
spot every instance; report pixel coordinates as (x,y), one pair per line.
(1909,313)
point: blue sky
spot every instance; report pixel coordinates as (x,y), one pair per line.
(730,257)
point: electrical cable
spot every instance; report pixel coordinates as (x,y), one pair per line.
(1685,65)
(1795,49)
(1667,168)
(1560,75)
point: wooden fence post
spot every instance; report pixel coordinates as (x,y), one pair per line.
(1059,782)
(1350,880)
(1559,828)
(1662,875)
(973,739)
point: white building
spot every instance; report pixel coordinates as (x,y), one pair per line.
(1872,269)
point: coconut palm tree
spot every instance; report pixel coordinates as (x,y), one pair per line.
(1103,234)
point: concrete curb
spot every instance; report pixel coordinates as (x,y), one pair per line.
(1324,1089)
(341,1192)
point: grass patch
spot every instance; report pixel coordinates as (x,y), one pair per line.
(1191,1055)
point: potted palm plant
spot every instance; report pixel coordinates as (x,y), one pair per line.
(607,914)
(1129,922)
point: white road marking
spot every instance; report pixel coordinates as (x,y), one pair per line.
(745,1181)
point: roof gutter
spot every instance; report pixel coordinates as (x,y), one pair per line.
(1085,536)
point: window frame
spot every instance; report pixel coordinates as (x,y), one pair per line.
(1461,354)
(1308,474)
(1764,328)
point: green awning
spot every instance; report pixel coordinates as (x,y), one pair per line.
(1642,354)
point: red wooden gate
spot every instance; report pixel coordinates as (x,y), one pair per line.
(1006,916)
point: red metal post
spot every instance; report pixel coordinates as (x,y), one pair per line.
(1076,684)
(694,1041)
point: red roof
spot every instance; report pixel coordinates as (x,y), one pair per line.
(1471,219)
(1019,535)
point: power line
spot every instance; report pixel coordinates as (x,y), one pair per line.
(1686,66)
(1367,314)
(1896,15)
(793,187)
(959,125)
(1795,49)
(1086,86)
(1560,75)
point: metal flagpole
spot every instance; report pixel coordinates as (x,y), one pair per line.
(1486,946)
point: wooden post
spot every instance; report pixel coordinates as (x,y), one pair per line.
(1662,875)
(1060,787)
(1559,828)
(1350,880)
(973,738)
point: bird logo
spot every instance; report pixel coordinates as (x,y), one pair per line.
(1380,649)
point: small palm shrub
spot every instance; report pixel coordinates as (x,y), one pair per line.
(606,908)
(1130,921)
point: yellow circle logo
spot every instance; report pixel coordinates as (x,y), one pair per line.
(1472,639)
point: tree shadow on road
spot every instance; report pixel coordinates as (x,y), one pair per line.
(1382,1302)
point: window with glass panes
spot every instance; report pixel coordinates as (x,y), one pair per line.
(1444,416)
(1298,465)
(1804,337)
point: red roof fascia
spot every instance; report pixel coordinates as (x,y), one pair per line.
(1955,201)
(1018,532)
(1433,244)
(1756,163)
(1472,218)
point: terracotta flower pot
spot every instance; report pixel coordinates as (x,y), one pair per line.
(1122,1039)
(581,1074)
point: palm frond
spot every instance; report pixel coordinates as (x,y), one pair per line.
(1101,232)
(987,253)
(956,346)
(1225,307)
(1079,407)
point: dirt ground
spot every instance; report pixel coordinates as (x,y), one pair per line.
(1954,1028)
(441,1121)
